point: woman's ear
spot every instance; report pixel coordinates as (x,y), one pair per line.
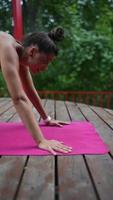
(33,51)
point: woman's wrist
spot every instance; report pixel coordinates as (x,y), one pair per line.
(39,139)
(47,120)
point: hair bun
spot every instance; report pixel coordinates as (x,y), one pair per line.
(57,34)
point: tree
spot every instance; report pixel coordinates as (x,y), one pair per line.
(85,59)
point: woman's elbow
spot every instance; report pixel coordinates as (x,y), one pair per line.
(17,99)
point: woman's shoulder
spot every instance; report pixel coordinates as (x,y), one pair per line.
(5,34)
(6,39)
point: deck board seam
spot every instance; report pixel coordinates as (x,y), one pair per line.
(56,178)
(20,180)
(91,178)
(108,112)
(11,117)
(110,155)
(85,161)
(4,103)
(82,113)
(101,118)
(6,110)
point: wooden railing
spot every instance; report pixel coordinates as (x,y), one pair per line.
(96,98)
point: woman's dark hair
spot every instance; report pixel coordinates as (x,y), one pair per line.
(46,42)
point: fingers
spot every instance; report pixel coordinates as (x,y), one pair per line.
(62,149)
(48,148)
(55,145)
(58,146)
(51,150)
(65,123)
(59,125)
(59,149)
(54,124)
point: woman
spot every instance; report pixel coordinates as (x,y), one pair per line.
(17,60)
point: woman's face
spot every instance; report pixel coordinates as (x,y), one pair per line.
(38,61)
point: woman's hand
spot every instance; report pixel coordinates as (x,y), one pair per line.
(54,122)
(51,145)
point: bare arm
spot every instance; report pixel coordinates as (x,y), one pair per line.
(34,97)
(31,92)
(10,70)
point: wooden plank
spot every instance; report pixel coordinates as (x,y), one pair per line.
(8,114)
(74,180)
(8,111)
(15,118)
(38,180)
(100,166)
(37,115)
(11,168)
(109,111)
(106,116)
(104,130)
(50,108)
(4,101)
(5,107)
(74,112)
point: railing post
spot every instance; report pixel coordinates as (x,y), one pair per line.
(108,101)
(17,18)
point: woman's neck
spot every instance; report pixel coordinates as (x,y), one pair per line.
(19,49)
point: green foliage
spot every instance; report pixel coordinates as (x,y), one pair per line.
(3,88)
(85,60)
(6,16)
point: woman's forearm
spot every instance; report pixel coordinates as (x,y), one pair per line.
(36,101)
(25,112)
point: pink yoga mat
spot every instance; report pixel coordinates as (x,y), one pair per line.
(80,135)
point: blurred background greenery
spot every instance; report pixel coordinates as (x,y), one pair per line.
(85,60)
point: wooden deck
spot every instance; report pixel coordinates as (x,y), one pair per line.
(80,177)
